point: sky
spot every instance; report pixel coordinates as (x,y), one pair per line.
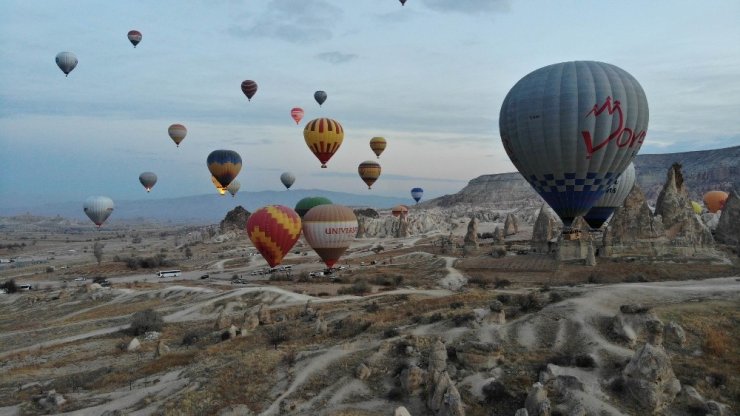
(430,77)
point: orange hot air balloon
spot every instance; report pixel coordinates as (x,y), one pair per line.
(377,144)
(399,210)
(177,133)
(323,136)
(274,230)
(297,114)
(369,171)
(715,200)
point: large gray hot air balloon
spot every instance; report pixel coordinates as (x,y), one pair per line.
(66,61)
(613,198)
(571,129)
(148,179)
(287,179)
(98,209)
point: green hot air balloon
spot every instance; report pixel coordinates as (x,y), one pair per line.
(307,203)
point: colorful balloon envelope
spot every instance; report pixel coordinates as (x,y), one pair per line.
(221,190)
(402,2)
(274,230)
(320,97)
(571,129)
(134,36)
(369,171)
(177,133)
(612,199)
(715,200)
(696,207)
(98,209)
(297,114)
(329,230)
(377,144)
(305,204)
(233,187)
(323,136)
(417,193)
(249,88)
(399,210)
(288,179)
(148,179)
(66,61)
(224,166)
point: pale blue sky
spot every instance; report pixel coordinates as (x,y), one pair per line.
(429,76)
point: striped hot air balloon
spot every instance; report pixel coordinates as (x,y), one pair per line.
(134,36)
(309,202)
(377,145)
(177,133)
(329,230)
(369,171)
(297,114)
(148,179)
(323,136)
(274,230)
(66,61)
(98,209)
(224,166)
(571,129)
(417,193)
(613,198)
(249,88)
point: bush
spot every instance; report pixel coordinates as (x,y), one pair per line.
(460,320)
(530,302)
(191,338)
(372,308)
(556,297)
(716,343)
(457,305)
(390,333)
(146,321)
(9,286)
(276,334)
(504,298)
(501,283)
(435,317)
(396,394)
(635,278)
(496,391)
(359,288)
(351,327)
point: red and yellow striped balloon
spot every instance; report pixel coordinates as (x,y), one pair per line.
(323,136)
(274,230)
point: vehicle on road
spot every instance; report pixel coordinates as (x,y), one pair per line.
(169,273)
(80,279)
(205,276)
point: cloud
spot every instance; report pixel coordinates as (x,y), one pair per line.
(336,57)
(469,6)
(295,21)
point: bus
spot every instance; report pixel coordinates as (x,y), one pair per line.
(168,273)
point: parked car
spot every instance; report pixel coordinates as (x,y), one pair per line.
(80,279)
(205,276)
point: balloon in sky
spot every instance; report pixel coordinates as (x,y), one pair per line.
(612,199)
(177,133)
(320,97)
(323,136)
(224,165)
(66,61)
(148,179)
(399,210)
(297,114)
(274,230)
(715,200)
(402,2)
(417,193)
(307,203)
(377,144)
(134,36)
(287,179)
(571,128)
(249,88)
(369,171)
(233,187)
(98,208)
(329,230)
(696,207)
(219,187)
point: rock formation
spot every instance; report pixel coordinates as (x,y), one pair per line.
(412,378)
(674,333)
(580,224)
(542,232)
(401,411)
(632,221)
(635,322)
(360,227)
(679,220)
(263,314)
(591,255)
(471,237)
(362,371)
(498,236)
(728,227)
(162,349)
(511,226)
(537,403)
(235,219)
(250,321)
(133,345)
(222,322)
(403,226)
(649,379)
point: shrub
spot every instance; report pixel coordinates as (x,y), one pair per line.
(530,302)
(435,317)
(145,321)
(496,391)
(372,308)
(351,327)
(396,394)
(501,283)
(276,334)
(360,288)
(457,305)
(9,286)
(584,361)
(460,320)
(191,338)
(390,333)
(504,298)
(556,297)
(716,342)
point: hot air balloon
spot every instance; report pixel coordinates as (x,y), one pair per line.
(134,36)
(715,200)
(417,193)
(369,171)
(297,114)
(402,2)
(612,199)
(274,230)
(98,209)
(571,128)
(399,210)
(233,187)
(249,88)
(66,61)
(148,179)
(329,230)
(224,166)
(696,207)
(307,203)
(377,144)
(177,133)
(219,187)
(320,97)
(323,136)
(287,179)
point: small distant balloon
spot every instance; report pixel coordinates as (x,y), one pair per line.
(715,200)
(377,145)
(287,179)
(305,204)
(224,166)
(297,114)
(696,207)
(134,36)
(320,97)
(402,2)
(66,61)
(417,193)
(249,88)
(98,209)
(177,133)
(148,179)
(369,171)
(233,187)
